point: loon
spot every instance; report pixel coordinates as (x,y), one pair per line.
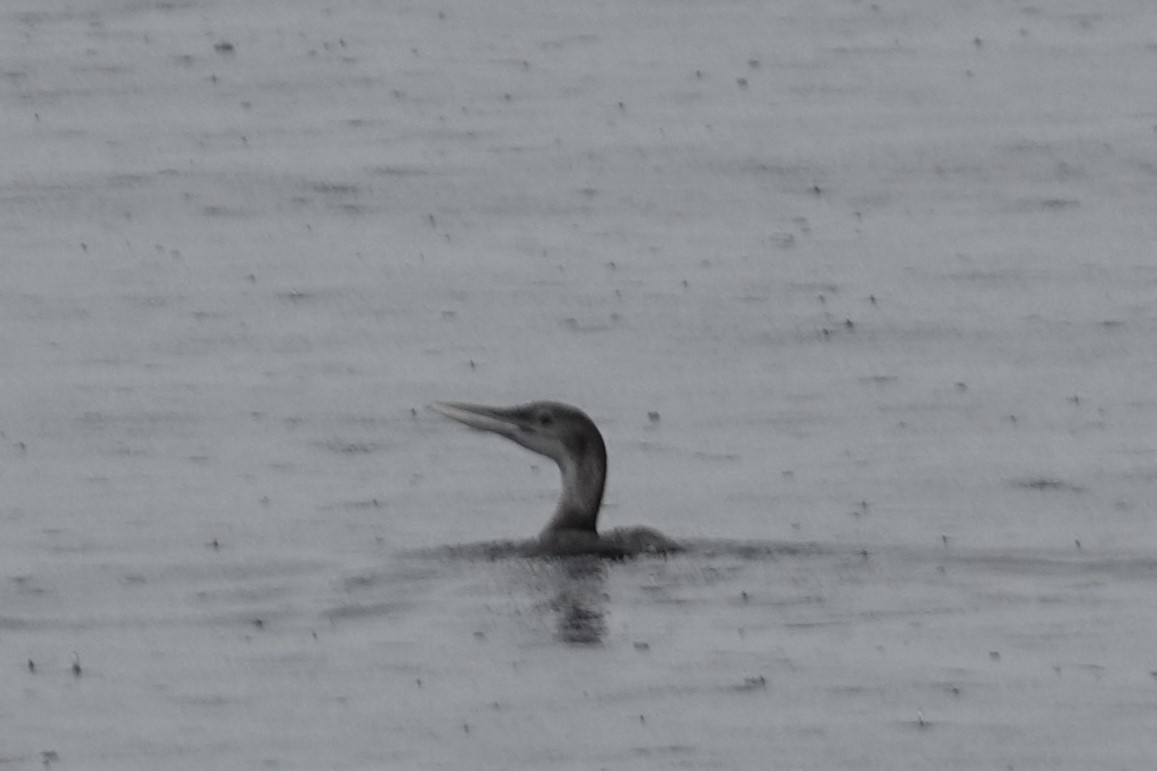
(568,437)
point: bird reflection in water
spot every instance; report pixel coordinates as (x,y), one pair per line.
(579,599)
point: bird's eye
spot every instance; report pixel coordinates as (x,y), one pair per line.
(545,419)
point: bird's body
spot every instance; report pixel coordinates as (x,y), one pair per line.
(566,435)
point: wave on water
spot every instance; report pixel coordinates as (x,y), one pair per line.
(691,549)
(1012,560)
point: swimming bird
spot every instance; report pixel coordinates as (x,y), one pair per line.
(568,437)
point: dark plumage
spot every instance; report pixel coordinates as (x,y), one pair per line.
(571,439)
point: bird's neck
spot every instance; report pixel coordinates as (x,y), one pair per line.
(583,477)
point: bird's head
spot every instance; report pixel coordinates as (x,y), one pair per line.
(559,431)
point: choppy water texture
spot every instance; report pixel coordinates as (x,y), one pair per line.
(862,295)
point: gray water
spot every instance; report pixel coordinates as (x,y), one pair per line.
(883,273)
